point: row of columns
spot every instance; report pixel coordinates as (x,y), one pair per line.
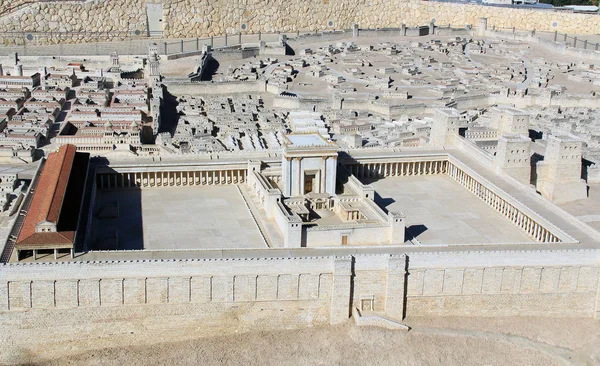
(170,179)
(526,223)
(36,253)
(374,170)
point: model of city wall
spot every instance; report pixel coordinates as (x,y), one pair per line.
(190,18)
(301,291)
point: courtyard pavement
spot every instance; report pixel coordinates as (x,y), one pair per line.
(440,211)
(203,217)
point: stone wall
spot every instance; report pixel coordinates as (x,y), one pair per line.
(316,290)
(191,18)
(302,286)
(77,16)
(207,87)
(525,283)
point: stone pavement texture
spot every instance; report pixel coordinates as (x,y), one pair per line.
(586,210)
(204,217)
(438,210)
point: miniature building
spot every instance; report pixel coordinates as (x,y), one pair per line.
(513,157)
(52,217)
(153,64)
(309,165)
(559,174)
(8,182)
(23,81)
(445,127)
(309,212)
(510,120)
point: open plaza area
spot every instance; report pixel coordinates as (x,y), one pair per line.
(439,211)
(175,218)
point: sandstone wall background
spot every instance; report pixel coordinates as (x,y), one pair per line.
(201,18)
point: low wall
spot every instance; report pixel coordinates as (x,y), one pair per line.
(470,148)
(209,87)
(357,234)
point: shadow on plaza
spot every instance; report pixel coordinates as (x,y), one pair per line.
(413,231)
(117,221)
(383,202)
(210,69)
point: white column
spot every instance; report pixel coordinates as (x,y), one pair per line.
(323,188)
(299,177)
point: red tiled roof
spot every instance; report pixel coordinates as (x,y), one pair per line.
(48,198)
(63,237)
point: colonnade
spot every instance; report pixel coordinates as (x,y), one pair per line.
(526,223)
(94,148)
(169,179)
(404,168)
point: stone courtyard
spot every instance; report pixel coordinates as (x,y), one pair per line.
(206,217)
(439,211)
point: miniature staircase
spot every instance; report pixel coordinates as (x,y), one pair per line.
(251,205)
(373,319)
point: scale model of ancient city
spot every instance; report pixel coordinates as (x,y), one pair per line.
(304,178)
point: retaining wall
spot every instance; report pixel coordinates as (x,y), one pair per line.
(554,283)
(318,290)
(189,18)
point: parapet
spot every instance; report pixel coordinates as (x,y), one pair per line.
(513,137)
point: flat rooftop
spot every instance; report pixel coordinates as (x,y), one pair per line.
(440,211)
(202,217)
(311,139)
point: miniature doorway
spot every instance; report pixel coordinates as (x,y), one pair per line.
(309,180)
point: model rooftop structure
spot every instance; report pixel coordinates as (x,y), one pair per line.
(306,140)
(51,221)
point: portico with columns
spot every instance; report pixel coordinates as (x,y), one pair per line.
(309,165)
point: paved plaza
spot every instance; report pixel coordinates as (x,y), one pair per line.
(586,210)
(439,211)
(206,217)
